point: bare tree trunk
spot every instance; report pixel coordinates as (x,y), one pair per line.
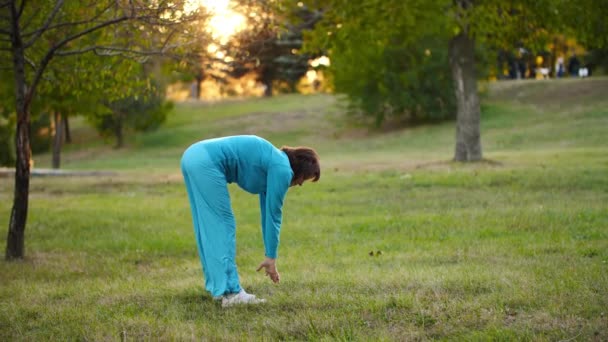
(118,131)
(462,62)
(199,82)
(16,228)
(57,140)
(66,129)
(266,77)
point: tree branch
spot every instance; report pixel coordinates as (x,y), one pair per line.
(30,62)
(103,50)
(47,58)
(112,51)
(74,23)
(98,50)
(21,9)
(169,36)
(46,24)
(131,16)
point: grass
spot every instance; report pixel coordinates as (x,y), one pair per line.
(515,248)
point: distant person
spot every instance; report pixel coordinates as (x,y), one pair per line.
(573,66)
(521,69)
(257,167)
(559,67)
(532,72)
(513,70)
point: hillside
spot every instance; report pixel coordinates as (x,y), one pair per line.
(516,116)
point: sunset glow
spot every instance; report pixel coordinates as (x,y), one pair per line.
(224,21)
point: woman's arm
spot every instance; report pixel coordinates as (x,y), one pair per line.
(277,185)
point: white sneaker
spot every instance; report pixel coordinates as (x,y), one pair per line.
(240,298)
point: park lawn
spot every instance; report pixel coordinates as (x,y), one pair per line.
(515,247)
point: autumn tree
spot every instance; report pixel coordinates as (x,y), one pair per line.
(271,46)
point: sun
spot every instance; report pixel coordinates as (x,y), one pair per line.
(224,21)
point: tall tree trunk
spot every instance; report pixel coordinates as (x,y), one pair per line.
(118,130)
(266,77)
(57,140)
(199,82)
(16,229)
(66,129)
(462,62)
(267,88)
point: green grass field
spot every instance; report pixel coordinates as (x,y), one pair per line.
(512,248)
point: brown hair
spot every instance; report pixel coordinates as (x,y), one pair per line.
(304,162)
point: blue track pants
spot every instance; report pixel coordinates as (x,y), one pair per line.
(214,223)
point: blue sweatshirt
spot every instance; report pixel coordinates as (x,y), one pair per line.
(258,168)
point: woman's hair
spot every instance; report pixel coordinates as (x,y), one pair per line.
(304,162)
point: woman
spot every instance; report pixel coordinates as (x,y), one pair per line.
(257,167)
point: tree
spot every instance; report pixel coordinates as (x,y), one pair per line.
(462,62)
(35,33)
(194,60)
(382,68)
(271,46)
(463,26)
(145,110)
(65,87)
(492,23)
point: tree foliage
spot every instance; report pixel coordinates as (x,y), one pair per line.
(145,109)
(384,68)
(586,20)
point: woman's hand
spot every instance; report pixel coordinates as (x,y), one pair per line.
(271,269)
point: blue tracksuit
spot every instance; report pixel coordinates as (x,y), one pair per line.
(257,167)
